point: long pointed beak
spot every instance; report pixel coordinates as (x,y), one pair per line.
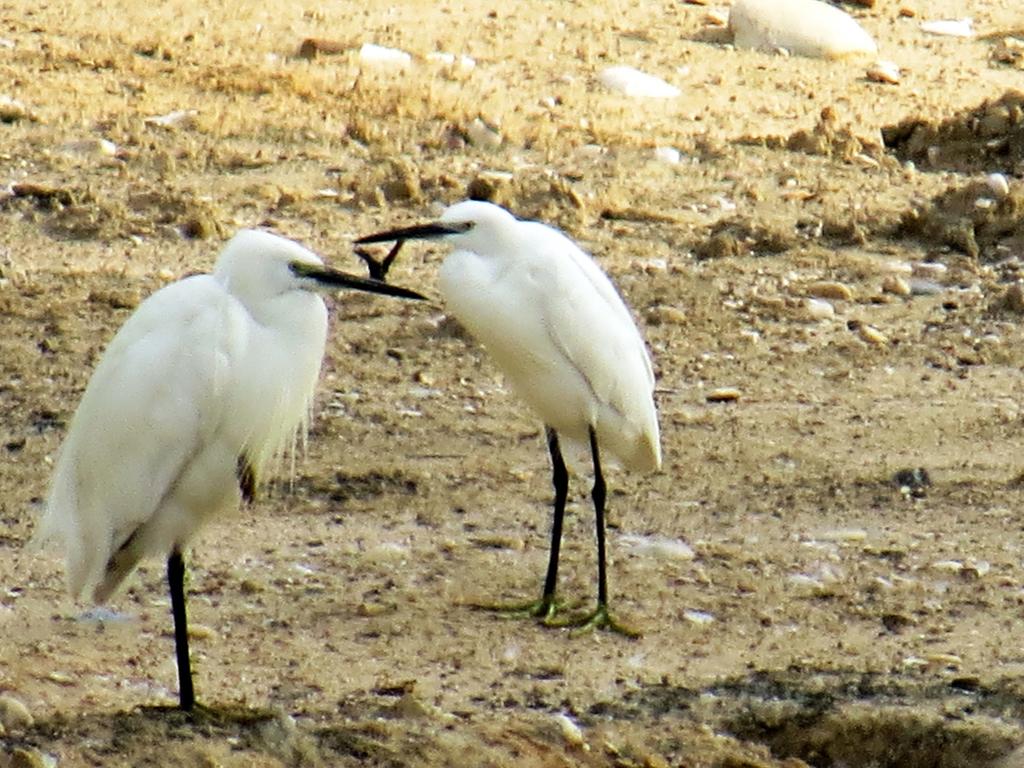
(418,232)
(338,279)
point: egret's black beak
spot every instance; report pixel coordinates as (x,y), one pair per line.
(418,232)
(333,277)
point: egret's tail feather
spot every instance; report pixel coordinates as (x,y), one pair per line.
(119,566)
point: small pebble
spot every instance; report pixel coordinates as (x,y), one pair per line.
(932,270)
(998,184)
(311,47)
(948,566)
(658,547)
(884,72)
(201,632)
(919,287)
(896,285)
(666,315)
(943,659)
(949,27)
(723,395)
(700,618)
(819,309)
(668,155)
(382,57)
(570,731)
(14,715)
(872,335)
(636,84)
(829,289)
(180,118)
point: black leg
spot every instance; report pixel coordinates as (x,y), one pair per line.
(176,582)
(598,494)
(560,479)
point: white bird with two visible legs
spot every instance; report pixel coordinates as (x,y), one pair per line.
(559,331)
(207,381)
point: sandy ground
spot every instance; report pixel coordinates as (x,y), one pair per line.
(824,613)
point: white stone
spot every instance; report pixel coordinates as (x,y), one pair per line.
(802,27)
(949,27)
(636,84)
(382,57)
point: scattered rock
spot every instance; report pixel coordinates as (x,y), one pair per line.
(830,289)
(884,72)
(896,285)
(801,27)
(312,47)
(179,118)
(29,757)
(658,547)
(819,309)
(14,715)
(723,395)
(570,731)
(868,333)
(381,57)
(662,314)
(636,84)
(949,27)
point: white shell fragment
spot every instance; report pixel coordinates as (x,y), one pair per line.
(700,618)
(998,184)
(383,58)
(802,27)
(179,118)
(658,547)
(636,84)
(668,155)
(884,72)
(570,731)
(949,27)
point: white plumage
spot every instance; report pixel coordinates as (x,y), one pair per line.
(208,380)
(207,370)
(557,329)
(565,341)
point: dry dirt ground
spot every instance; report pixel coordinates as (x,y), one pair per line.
(828,614)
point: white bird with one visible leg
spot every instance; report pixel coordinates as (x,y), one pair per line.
(561,334)
(209,379)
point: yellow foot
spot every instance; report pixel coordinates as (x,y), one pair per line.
(543,609)
(599,619)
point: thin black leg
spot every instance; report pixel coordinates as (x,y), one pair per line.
(560,479)
(598,494)
(176,582)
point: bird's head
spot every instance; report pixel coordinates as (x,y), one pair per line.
(472,225)
(257,266)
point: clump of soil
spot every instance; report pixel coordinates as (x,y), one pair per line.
(989,137)
(971,218)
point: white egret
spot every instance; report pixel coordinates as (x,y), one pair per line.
(561,334)
(209,379)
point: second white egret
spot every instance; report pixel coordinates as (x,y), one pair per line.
(559,331)
(208,380)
